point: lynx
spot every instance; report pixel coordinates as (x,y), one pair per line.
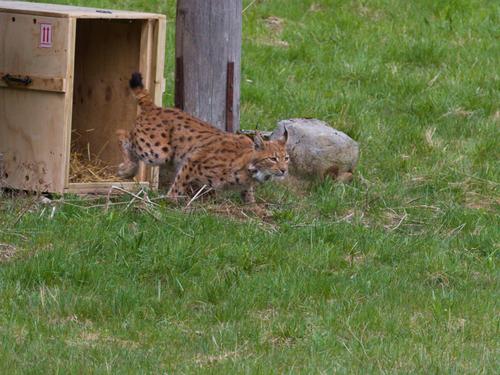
(201,153)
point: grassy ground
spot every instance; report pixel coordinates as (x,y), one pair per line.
(396,273)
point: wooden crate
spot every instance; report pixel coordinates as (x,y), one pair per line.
(64,75)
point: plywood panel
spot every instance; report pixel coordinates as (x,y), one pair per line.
(158,60)
(68,110)
(107,52)
(88,71)
(32,139)
(57,10)
(56,84)
(105,187)
(32,123)
(21,53)
(158,63)
(151,63)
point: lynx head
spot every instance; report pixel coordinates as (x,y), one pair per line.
(270,159)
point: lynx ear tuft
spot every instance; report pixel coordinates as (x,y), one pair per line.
(284,138)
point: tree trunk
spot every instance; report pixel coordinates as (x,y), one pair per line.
(208,52)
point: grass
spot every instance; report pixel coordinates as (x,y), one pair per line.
(395,273)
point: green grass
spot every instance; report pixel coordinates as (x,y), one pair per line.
(395,273)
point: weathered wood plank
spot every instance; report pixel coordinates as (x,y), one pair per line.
(104,187)
(32,122)
(55,84)
(77,84)
(208,37)
(65,11)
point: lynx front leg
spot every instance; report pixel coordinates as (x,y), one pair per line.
(130,163)
(248,195)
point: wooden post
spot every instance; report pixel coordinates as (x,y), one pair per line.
(208,52)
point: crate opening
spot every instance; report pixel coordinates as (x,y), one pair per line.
(106,53)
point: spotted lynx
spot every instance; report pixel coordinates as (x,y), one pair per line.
(201,153)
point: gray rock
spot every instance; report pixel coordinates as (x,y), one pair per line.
(318,150)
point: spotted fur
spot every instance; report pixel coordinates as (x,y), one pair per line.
(202,154)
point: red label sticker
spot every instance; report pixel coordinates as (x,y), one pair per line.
(45,35)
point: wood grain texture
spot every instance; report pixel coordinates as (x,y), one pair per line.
(33,135)
(208,36)
(68,98)
(157,81)
(107,52)
(66,11)
(56,84)
(104,187)
(230,97)
(79,84)
(151,62)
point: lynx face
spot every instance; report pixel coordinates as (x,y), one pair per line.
(271,160)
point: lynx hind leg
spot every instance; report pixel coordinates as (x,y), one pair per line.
(248,195)
(128,168)
(179,188)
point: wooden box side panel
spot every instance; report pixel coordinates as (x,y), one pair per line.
(59,10)
(159,60)
(105,187)
(33,124)
(151,65)
(158,89)
(23,51)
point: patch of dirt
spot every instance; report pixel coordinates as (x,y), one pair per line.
(356,258)
(275,24)
(393,220)
(258,214)
(7,252)
(95,338)
(459,112)
(266,315)
(273,42)
(456,324)
(368,12)
(278,340)
(438,279)
(476,201)
(71,319)
(207,360)
(315,8)
(353,216)
(236,211)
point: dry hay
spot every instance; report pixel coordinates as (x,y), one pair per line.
(83,169)
(86,166)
